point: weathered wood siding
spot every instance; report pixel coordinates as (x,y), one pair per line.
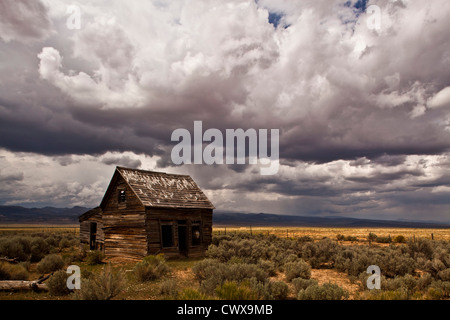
(124,223)
(156,217)
(85,229)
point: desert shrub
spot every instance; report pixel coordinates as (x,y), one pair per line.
(64,243)
(39,249)
(271,290)
(394,263)
(441,253)
(383,239)
(252,248)
(240,272)
(302,284)
(340,237)
(13,272)
(439,290)
(424,281)
(433,267)
(249,250)
(33,247)
(323,251)
(57,284)
(267,266)
(203,269)
(231,290)
(53,240)
(405,284)
(305,239)
(50,263)
(278,290)
(328,291)
(423,247)
(444,275)
(399,239)
(104,286)
(353,261)
(212,273)
(192,294)
(94,257)
(169,288)
(14,249)
(297,269)
(372,237)
(151,268)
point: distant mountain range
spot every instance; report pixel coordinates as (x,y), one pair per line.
(46,215)
(51,215)
(222,218)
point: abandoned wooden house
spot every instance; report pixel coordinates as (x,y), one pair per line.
(146,212)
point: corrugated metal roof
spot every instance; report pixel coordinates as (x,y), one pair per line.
(159,189)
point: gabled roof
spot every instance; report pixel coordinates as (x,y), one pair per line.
(162,190)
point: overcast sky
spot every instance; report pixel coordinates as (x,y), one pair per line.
(363,113)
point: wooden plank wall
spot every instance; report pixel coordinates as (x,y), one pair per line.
(85,229)
(159,216)
(124,224)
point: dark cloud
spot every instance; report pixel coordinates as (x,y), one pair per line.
(363,115)
(124,161)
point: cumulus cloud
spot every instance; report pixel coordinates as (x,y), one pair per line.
(24,21)
(362,113)
(441,99)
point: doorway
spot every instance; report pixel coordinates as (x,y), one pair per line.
(182,240)
(92,235)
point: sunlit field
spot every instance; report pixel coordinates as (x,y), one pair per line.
(319,233)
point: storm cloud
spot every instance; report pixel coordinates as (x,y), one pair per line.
(364,114)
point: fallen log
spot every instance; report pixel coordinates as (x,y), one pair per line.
(43,278)
(6,259)
(17,285)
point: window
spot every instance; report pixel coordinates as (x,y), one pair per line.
(167,235)
(122,196)
(196,236)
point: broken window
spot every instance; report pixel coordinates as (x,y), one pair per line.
(196,236)
(167,235)
(122,196)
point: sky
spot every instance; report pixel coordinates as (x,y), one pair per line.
(361,98)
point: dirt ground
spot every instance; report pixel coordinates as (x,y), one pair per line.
(341,279)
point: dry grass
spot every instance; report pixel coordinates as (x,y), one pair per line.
(319,233)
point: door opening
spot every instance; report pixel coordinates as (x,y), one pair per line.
(92,235)
(182,239)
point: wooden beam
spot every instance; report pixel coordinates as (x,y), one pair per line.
(17,285)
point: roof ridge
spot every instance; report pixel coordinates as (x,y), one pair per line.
(151,171)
